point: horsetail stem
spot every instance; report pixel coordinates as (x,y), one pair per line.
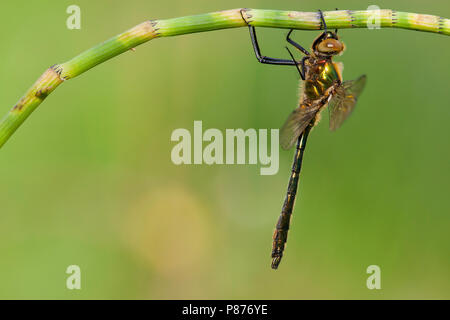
(339,19)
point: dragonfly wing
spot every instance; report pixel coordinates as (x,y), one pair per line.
(344,100)
(339,68)
(296,123)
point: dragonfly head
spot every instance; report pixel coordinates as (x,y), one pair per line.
(327,45)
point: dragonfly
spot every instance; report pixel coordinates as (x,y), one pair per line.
(321,86)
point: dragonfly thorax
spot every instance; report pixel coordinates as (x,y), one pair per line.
(321,75)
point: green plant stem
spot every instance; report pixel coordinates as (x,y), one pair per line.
(235,18)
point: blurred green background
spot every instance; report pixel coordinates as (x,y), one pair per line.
(88,179)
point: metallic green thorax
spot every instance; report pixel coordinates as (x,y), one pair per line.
(320,77)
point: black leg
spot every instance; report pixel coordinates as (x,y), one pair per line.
(336,30)
(264,59)
(295,44)
(323,21)
(302,64)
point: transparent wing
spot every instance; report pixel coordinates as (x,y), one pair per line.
(344,100)
(339,68)
(296,123)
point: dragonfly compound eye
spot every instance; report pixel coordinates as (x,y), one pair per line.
(330,46)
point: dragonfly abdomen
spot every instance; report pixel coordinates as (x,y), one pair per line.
(284,221)
(281,231)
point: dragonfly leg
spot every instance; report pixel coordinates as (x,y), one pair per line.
(323,21)
(302,64)
(336,30)
(295,44)
(264,59)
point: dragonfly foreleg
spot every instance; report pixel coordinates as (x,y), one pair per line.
(295,44)
(336,30)
(323,21)
(264,59)
(302,64)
